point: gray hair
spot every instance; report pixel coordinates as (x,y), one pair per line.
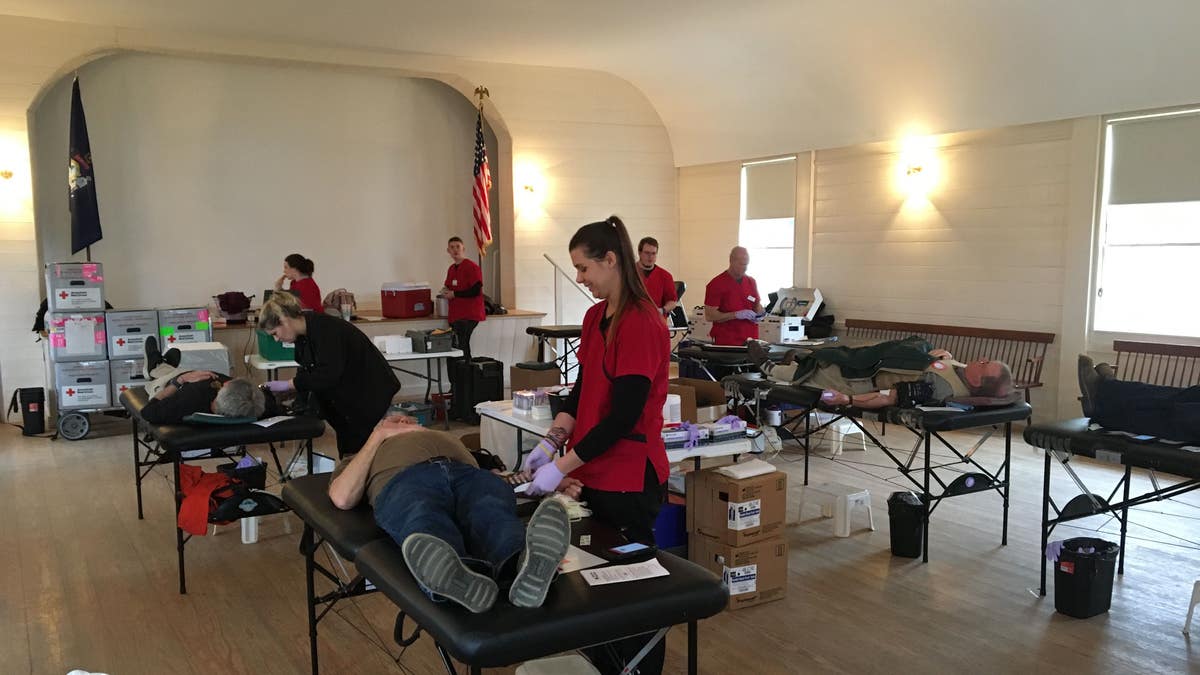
(274,310)
(240,398)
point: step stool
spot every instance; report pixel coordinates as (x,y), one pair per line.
(841,428)
(1195,601)
(836,500)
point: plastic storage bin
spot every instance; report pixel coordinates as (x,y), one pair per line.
(77,336)
(82,385)
(906,516)
(128,330)
(126,374)
(272,350)
(1083,577)
(183,325)
(74,287)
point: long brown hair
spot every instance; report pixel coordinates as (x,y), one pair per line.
(597,240)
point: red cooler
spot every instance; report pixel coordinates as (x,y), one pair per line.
(405,300)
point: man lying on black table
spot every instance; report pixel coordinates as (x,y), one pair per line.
(176,393)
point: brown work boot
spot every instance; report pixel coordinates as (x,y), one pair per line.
(758,355)
(1089,383)
(789,357)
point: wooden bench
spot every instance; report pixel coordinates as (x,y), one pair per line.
(1023,351)
(1157,363)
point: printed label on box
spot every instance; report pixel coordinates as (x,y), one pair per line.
(745,515)
(128,345)
(742,579)
(189,336)
(78,298)
(83,396)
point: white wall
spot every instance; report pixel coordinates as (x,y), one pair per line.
(210,172)
(20,355)
(709,208)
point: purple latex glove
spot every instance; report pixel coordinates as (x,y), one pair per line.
(1053,549)
(541,453)
(279,386)
(693,432)
(545,480)
(746,315)
(733,421)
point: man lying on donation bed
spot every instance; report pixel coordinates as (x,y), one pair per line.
(176,393)
(456,523)
(906,372)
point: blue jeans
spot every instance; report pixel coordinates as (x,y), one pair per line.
(1139,408)
(471,509)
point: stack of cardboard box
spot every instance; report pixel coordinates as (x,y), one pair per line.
(736,529)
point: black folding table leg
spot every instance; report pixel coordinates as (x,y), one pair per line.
(807,441)
(1007,458)
(925,502)
(693,639)
(306,542)
(1045,518)
(137,467)
(1124,520)
(179,541)
(442,396)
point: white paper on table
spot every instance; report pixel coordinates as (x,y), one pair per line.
(579,559)
(271,421)
(621,573)
(81,336)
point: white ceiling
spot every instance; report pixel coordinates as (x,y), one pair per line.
(742,79)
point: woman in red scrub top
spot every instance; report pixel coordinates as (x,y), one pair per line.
(298,270)
(611,424)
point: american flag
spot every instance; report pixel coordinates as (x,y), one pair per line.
(479,190)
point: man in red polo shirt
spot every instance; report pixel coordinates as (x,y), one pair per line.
(660,285)
(732,303)
(464,290)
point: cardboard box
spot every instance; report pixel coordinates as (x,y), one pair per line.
(695,395)
(527,378)
(754,574)
(736,512)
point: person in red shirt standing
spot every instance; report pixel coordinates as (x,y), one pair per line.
(464,290)
(732,302)
(611,425)
(660,285)
(298,271)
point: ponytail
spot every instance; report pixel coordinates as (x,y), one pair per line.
(301,264)
(597,240)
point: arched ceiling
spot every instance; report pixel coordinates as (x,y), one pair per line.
(737,80)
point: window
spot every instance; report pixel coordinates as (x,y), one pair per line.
(767,226)
(1149,235)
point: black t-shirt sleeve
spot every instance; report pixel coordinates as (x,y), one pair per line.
(571,407)
(471,292)
(629,396)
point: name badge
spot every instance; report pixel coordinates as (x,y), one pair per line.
(454,282)
(751,298)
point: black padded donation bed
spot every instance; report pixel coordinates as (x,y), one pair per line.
(1064,439)
(575,615)
(163,444)
(548,337)
(956,477)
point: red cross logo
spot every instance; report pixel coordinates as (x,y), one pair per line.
(124,388)
(70,392)
(120,342)
(171,339)
(63,295)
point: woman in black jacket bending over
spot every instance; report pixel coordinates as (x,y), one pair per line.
(352,382)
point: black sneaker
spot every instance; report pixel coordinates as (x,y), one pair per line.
(1089,383)
(437,567)
(172,357)
(153,356)
(547,537)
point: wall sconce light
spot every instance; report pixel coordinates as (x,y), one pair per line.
(917,167)
(529,188)
(6,174)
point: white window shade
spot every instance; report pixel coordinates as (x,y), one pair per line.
(1155,160)
(771,190)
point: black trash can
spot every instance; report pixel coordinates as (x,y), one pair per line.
(906,515)
(32,403)
(1083,577)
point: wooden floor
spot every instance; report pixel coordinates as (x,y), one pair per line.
(87,585)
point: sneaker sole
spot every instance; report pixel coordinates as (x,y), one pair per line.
(547,538)
(438,568)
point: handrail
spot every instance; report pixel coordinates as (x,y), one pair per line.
(557,300)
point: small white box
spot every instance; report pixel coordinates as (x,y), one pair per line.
(781,329)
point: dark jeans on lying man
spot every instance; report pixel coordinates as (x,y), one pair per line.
(471,509)
(1166,412)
